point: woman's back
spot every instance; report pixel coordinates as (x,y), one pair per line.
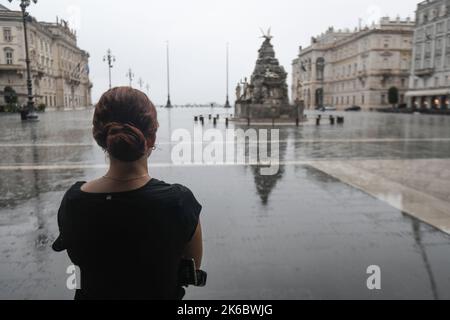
(129,244)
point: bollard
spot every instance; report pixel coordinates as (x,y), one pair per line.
(320,116)
(332,120)
(202,120)
(215,122)
(196,119)
(340,120)
(210,117)
(318,121)
(226,122)
(218,116)
(297,122)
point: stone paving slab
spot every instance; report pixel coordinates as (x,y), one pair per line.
(420,188)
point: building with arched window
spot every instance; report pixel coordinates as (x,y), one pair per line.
(60,70)
(342,68)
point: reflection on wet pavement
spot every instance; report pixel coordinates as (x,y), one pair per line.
(300,234)
(419,187)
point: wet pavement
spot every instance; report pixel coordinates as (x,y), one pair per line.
(300,234)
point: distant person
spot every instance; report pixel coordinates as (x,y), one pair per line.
(126,231)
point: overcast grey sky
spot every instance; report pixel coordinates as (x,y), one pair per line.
(136,31)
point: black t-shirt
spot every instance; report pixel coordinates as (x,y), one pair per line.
(128,245)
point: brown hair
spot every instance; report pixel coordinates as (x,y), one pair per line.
(124,121)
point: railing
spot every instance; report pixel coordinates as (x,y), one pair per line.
(424,72)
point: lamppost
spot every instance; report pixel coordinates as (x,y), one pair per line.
(169,103)
(148,89)
(28,111)
(141,83)
(130,76)
(110,59)
(227,103)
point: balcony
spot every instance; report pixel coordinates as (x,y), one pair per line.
(11,67)
(425,72)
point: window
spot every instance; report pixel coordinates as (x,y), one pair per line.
(383,99)
(320,68)
(420,34)
(438,62)
(9,56)
(7,35)
(439,46)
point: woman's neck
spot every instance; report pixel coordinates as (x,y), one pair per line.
(124,170)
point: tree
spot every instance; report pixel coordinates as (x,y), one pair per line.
(10,96)
(393,96)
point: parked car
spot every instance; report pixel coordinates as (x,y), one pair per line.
(354,108)
(329,108)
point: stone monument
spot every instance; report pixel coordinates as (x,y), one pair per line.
(266,96)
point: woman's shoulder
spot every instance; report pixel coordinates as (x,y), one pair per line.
(168,190)
(184,204)
(74,189)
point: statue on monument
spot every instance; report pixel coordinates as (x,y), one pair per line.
(267,35)
(238,92)
(266,92)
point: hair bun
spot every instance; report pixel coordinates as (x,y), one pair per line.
(125,142)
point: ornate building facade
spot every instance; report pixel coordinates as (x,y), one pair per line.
(60,70)
(430,76)
(347,68)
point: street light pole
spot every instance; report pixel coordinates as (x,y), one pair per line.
(227,103)
(141,83)
(130,76)
(110,59)
(28,112)
(169,104)
(148,89)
